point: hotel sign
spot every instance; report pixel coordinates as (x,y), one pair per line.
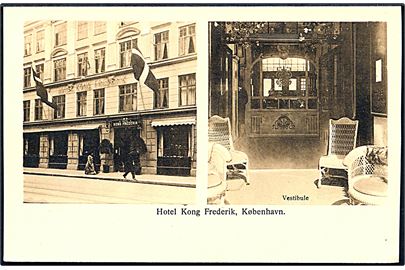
(126,122)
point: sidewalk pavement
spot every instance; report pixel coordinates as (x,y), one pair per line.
(168,180)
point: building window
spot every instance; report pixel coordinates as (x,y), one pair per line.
(39,69)
(82,64)
(38,109)
(99,60)
(128,98)
(99,27)
(27,45)
(59,69)
(60,34)
(163,101)
(81,103)
(27,77)
(126,51)
(26,110)
(82,30)
(187,40)
(98,103)
(161,45)
(40,41)
(187,87)
(60,106)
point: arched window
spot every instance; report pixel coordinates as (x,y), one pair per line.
(284,84)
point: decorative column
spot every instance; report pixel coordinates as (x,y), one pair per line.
(43,151)
(193,171)
(149,159)
(245,128)
(107,132)
(73,151)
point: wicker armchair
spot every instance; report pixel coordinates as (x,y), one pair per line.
(368,178)
(342,140)
(219,131)
(218,156)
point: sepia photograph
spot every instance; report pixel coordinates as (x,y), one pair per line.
(202,134)
(109,112)
(298,112)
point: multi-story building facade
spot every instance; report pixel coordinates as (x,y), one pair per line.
(85,67)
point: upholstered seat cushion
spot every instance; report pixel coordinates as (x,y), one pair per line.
(332,161)
(237,157)
(371,185)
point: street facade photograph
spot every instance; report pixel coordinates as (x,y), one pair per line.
(109,111)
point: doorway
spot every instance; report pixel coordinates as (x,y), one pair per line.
(122,142)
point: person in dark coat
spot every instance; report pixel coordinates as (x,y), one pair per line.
(129,166)
(136,149)
(132,163)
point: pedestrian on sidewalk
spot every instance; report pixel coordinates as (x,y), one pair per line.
(89,168)
(129,166)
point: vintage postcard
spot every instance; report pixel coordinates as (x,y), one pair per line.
(202,134)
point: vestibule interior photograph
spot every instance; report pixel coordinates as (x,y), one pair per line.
(297,113)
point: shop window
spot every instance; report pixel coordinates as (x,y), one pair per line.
(163,101)
(27,77)
(126,52)
(99,27)
(40,41)
(81,103)
(59,69)
(161,45)
(58,146)
(26,110)
(31,150)
(187,40)
(82,30)
(128,98)
(175,141)
(38,109)
(187,87)
(99,60)
(98,102)
(27,45)
(60,34)
(175,148)
(88,144)
(60,106)
(82,64)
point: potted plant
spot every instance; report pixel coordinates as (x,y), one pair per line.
(106,150)
(377,156)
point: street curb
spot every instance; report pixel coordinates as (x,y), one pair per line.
(115,179)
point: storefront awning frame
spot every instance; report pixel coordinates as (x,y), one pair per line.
(61,128)
(174,121)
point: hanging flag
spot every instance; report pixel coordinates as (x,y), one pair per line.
(41,91)
(142,72)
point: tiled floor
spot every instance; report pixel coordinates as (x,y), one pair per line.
(272,187)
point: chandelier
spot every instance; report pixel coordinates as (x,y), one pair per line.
(283,76)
